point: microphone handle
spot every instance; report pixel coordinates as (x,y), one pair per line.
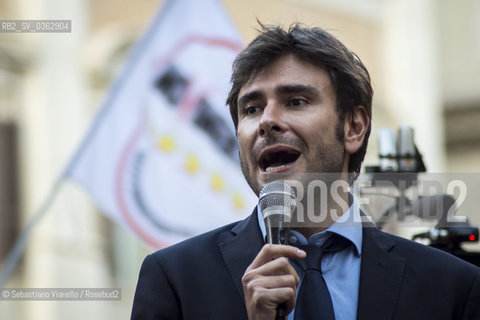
(281,312)
(279,236)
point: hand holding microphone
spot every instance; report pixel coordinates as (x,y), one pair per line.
(277,202)
(270,282)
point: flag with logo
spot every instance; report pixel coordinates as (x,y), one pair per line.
(161,157)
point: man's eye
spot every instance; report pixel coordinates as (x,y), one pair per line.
(250,110)
(297,102)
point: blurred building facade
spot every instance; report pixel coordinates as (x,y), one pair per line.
(423,59)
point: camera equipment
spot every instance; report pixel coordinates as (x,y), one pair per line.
(400,164)
(448,236)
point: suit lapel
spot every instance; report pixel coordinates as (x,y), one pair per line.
(239,247)
(381,276)
(381,272)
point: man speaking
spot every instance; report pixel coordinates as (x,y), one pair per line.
(301,103)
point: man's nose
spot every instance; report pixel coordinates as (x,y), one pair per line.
(271,122)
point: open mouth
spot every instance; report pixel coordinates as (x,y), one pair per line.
(277,159)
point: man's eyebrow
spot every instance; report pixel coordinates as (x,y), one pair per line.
(282,89)
(249,96)
(297,89)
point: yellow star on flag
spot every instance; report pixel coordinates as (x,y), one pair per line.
(216,182)
(238,201)
(192,165)
(166,143)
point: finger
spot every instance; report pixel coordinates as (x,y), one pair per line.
(279,266)
(273,251)
(271,298)
(272,282)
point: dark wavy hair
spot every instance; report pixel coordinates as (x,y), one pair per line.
(350,78)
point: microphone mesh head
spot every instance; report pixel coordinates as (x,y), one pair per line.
(277,194)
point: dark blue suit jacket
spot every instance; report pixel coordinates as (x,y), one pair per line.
(200,278)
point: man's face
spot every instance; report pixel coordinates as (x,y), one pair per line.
(287,123)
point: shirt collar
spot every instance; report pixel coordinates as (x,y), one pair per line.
(349,226)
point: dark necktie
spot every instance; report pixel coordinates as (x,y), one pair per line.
(313,299)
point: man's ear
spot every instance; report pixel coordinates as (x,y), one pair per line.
(355,128)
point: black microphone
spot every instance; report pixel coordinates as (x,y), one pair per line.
(277,203)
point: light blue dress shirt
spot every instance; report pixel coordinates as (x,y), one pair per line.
(341,270)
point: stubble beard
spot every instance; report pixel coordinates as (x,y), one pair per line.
(331,158)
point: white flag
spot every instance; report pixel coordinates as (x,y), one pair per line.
(161,157)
